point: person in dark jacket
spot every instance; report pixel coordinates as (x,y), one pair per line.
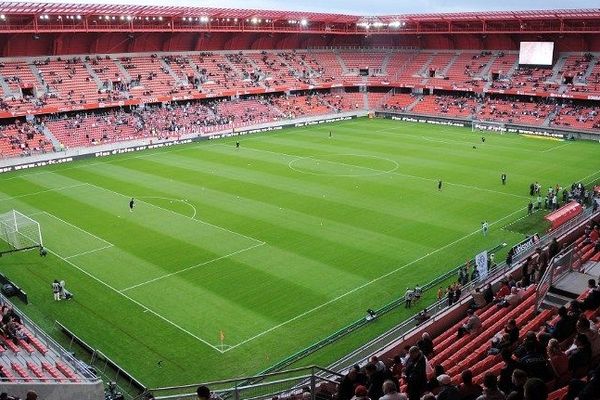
(564,327)
(352,379)
(375,379)
(415,373)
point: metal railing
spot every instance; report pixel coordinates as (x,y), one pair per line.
(261,387)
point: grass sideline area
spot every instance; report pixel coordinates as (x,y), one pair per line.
(276,244)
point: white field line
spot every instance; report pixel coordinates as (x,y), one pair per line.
(42,191)
(192,267)
(392,172)
(78,228)
(555,148)
(181,215)
(145,308)
(477,231)
(173,199)
(89,252)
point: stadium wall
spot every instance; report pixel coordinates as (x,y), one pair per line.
(66,43)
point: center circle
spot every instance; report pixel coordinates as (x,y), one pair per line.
(344,165)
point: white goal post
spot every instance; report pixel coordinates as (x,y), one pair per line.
(19,232)
(488,126)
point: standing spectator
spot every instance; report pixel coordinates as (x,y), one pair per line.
(490,388)
(352,379)
(468,390)
(519,377)
(510,365)
(408,296)
(375,379)
(580,357)
(415,373)
(426,345)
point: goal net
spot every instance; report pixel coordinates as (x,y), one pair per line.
(18,232)
(488,126)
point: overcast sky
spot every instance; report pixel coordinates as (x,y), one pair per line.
(363,7)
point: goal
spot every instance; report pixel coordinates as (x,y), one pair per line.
(18,232)
(488,126)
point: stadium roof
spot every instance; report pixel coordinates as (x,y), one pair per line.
(177,11)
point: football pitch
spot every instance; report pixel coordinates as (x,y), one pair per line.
(233,259)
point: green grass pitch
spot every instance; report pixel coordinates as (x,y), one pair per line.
(276,244)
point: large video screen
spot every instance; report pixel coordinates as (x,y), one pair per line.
(536,53)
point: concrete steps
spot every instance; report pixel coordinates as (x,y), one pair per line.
(94,75)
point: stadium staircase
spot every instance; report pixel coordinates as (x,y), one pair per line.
(485,71)
(41,86)
(448,66)
(196,69)
(558,69)
(93,75)
(6,88)
(340,60)
(48,134)
(425,68)
(385,63)
(178,80)
(122,69)
(591,67)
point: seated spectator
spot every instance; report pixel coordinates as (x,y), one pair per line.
(448,391)
(378,363)
(472,326)
(534,362)
(502,292)
(488,294)
(468,390)
(510,365)
(564,327)
(585,327)
(559,362)
(592,300)
(490,388)
(203,393)
(580,357)
(397,367)
(391,392)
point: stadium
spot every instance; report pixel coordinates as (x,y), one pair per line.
(245,203)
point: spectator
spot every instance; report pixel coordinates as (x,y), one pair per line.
(361,393)
(203,393)
(580,357)
(353,378)
(375,379)
(391,392)
(534,362)
(415,373)
(490,388)
(510,365)
(447,390)
(519,377)
(559,362)
(426,345)
(468,390)
(472,326)
(535,389)
(564,327)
